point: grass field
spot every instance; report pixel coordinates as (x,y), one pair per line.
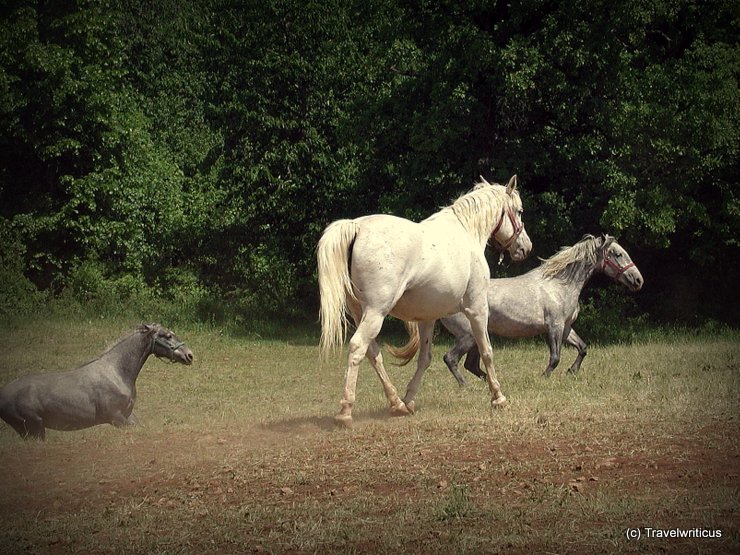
(239,454)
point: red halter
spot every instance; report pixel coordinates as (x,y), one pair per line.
(608,262)
(518,228)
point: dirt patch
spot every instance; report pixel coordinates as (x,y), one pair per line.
(287,468)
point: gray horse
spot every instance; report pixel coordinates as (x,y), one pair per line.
(544,301)
(102,391)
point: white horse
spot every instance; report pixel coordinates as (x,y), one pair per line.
(418,272)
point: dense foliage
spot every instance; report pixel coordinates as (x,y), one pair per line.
(196,149)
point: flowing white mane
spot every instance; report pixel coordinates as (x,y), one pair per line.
(480,209)
(564,262)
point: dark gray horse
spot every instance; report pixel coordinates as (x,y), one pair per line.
(102,391)
(544,301)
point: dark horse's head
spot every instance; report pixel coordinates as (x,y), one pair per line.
(165,344)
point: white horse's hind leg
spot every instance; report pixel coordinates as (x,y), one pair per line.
(397,407)
(357,349)
(479,323)
(359,346)
(426,329)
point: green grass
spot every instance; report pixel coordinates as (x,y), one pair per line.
(238,453)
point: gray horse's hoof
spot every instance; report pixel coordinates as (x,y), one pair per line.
(499,402)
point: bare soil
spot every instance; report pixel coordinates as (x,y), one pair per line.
(687,481)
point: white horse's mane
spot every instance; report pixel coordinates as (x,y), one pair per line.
(479,209)
(583,251)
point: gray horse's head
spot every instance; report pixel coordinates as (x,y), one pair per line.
(165,344)
(617,264)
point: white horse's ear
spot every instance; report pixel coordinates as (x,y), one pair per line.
(511,186)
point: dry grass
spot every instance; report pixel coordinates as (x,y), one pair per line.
(239,454)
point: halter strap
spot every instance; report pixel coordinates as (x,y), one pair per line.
(518,228)
(608,262)
(156,340)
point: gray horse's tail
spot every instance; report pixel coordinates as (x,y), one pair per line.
(407,352)
(335,284)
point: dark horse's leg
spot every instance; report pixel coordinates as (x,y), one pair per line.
(459,326)
(472,363)
(452,357)
(574,340)
(34,427)
(25,427)
(554,342)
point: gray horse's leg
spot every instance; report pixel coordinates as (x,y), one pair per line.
(34,428)
(426,329)
(452,357)
(574,340)
(459,326)
(125,416)
(24,421)
(17,423)
(119,420)
(472,362)
(554,342)
(451,361)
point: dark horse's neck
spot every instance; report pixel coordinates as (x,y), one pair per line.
(129,355)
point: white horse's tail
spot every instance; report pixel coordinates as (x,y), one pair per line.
(407,352)
(332,257)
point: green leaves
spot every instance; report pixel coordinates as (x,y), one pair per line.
(215,139)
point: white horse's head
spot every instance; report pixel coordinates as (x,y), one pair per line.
(617,264)
(509,234)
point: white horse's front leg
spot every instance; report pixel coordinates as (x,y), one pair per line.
(479,323)
(426,329)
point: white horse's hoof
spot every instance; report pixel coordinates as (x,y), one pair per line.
(343,420)
(402,409)
(499,402)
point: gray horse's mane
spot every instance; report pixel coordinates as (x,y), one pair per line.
(479,209)
(564,263)
(144,329)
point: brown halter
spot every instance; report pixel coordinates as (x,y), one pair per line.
(518,228)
